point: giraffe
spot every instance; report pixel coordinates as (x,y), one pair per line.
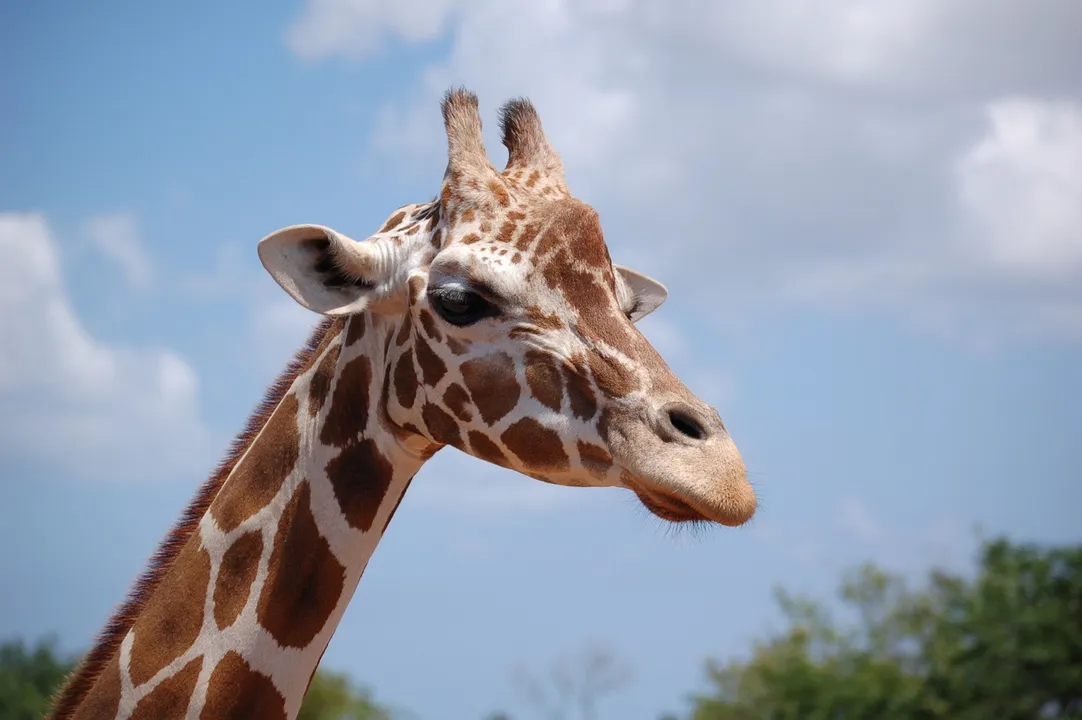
(490,319)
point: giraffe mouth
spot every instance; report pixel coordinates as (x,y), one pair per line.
(664,504)
(667,507)
(682,479)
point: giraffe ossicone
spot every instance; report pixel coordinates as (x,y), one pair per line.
(490,319)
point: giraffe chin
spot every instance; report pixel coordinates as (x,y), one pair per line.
(669,508)
(731,503)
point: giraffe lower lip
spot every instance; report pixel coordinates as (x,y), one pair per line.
(667,507)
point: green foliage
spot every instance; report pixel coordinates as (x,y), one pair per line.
(332,696)
(1006,644)
(29,677)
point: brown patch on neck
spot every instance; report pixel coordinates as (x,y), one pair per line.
(169,623)
(236,690)
(170,699)
(348,415)
(355,328)
(322,378)
(103,698)
(261,473)
(405,379)
(235,577)
(304,578)
(432,367)
(360,476)
(86,676)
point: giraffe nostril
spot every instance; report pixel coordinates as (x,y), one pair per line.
(686,425)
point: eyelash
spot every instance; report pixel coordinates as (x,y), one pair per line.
(460,306)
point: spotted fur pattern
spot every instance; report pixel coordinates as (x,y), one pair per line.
(238,605)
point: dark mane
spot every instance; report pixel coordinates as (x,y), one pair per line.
(108,642)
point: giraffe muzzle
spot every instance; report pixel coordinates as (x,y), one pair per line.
(683,465)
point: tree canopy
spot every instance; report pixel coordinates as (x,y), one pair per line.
(30,676)
(333,696)
(1004,644)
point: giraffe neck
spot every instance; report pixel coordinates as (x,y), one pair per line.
(248,595)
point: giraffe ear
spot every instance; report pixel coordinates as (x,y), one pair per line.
(323,270)
(643,294)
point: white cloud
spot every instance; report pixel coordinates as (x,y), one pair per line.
(117,237)
(922,46)
(1021,186)
(71,401)
(900,46)
(800,154)
(356,27)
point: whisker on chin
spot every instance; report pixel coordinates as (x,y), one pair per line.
(760,498)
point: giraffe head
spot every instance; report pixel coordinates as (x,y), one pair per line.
(506,330)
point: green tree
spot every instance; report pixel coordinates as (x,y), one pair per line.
(29,677)
(333,696)
(1005,644)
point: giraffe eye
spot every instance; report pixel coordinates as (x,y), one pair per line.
(459,306)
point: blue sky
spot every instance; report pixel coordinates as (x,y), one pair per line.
(869,221)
